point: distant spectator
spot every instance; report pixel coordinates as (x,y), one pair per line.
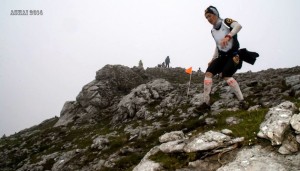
(141,64)
(199,70)
(167,61)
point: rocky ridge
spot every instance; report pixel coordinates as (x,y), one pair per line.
(136,119)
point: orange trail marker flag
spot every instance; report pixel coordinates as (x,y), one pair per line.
(189,71)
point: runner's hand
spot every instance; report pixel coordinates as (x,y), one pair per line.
(224,42)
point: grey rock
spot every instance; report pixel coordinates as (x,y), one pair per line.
(211,121)
(119,77)
(67,113)
(197,100)
(294,83)
(63,159)
(172,146)
(140,131)
(100,142)
(226,131)
(289,145)
(207,141)
(276,122)
(140,96)
(298,138)
(172,136)
(295,122)
(292,80)
(201,165)
(233,120)
(254,108)
(148,165)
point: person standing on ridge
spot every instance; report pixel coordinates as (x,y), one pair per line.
(167,62)
(225,61)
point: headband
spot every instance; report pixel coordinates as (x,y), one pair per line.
(212,10)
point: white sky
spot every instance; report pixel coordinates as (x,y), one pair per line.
(46,60)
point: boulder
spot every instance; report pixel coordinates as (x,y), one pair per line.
(276,122)
(172,136)
(208,141)
(295,122)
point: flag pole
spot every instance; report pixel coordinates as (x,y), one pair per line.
(189,84)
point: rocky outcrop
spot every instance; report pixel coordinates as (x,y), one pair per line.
(112,81)
(277,122)
(134,104)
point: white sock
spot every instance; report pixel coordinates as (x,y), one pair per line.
(207,89)
(235,87)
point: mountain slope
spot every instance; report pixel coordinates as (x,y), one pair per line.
(118,117)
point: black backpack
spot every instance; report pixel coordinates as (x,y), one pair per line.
(247,56)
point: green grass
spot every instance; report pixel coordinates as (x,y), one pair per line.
(173,161)
(128,161)
(247,128)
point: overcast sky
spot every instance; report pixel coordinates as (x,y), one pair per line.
(46,59)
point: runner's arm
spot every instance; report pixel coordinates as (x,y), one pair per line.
(236,27)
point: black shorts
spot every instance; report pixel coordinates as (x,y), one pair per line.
(223,64)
